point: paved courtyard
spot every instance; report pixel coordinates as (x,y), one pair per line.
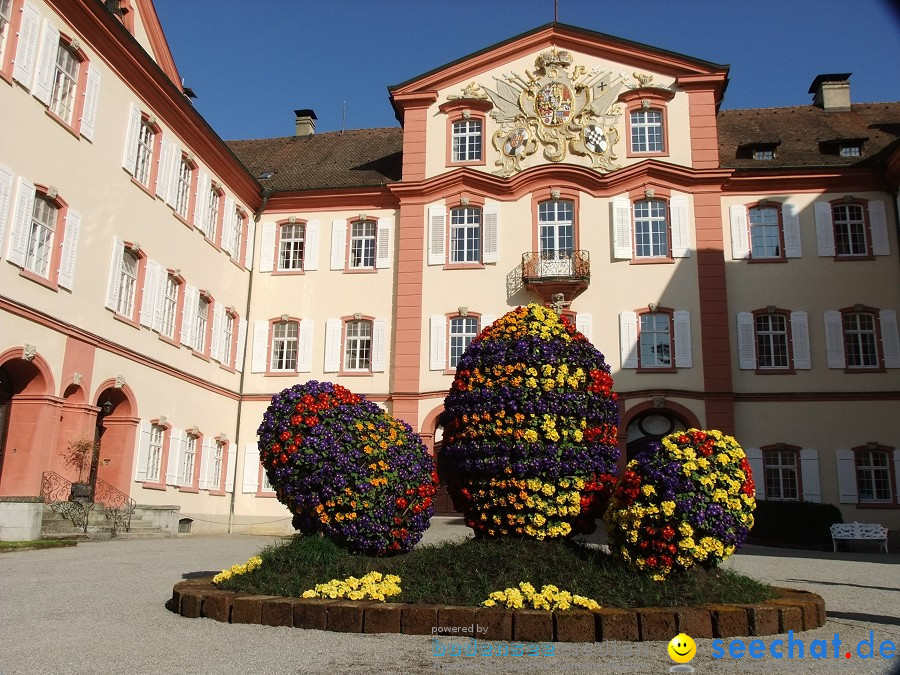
(99,607)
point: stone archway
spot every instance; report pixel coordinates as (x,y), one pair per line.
(115,433)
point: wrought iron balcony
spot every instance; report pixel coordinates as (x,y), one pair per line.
(550,272)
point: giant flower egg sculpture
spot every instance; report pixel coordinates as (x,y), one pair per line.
(530,429)
(347,469)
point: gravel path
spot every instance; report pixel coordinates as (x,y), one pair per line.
(98,607)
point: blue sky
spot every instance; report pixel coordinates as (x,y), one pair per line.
(251,70)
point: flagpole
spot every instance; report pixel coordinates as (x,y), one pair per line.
(555,11)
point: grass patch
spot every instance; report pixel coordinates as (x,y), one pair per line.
(40,543)
(466,572)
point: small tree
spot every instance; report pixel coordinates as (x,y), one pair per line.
(78,455)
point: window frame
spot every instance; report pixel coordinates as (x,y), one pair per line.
(195,438)
(663,199)
(177,309)
(55,244)
(451,367)
(270,355)
(191,196)
(786,316)
(229,352)
(670,314)
(345,327)
(778,208)
(796,467)
(477,209)
(455,159)
(280,239)
(892,478)
(221,443)
(876,331)
(215,207)
(160,483)
(79,86)
(9,39)
(133,319)
(239,243)
(364,269)
(647,99)
(863,204)
(148,122)
(203,296)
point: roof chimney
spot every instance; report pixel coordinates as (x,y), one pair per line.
(306,122)
(831,91)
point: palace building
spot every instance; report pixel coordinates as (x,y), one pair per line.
(738,268)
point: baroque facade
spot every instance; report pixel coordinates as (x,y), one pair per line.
(738,268)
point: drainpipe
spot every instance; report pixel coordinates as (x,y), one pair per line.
(265,193)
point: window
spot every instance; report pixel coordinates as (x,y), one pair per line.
(227,337)
(651,229)
(765,232)
(860,340)
(781,475)
(764,154)
(211,217)
(65,83)
(466,137)
(772,341)
(647,131)
(290,252)
(5,29)
(850,151)
(170,307)
(144,160)
(186,470)
(655,340)
(362,244)
(40,236)
(127,284)
(849,230)
(217,461)
(556,230)
(465,235)
(873,475)
(358,345)
(285,337)
(233,230)
(462,331)
(201,323)
(265,485)
(183,185)
(154,454)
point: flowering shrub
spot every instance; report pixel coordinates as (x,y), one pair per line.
(530,428)
(688,501)
(371,587)
(346,468)
(550,598)
(235,570)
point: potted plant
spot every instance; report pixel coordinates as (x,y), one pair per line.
(78,455)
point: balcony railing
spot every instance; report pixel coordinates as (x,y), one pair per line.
(556,266)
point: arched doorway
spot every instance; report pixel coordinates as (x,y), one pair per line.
(443,504)
(6,394)
(115,434)
(651,427)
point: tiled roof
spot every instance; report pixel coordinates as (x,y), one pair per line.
(807,136)
(347,159)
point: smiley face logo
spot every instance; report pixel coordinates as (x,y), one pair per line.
(682,648)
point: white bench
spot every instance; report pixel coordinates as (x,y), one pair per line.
(859,531)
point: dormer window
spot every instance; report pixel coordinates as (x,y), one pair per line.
(763,154)
(850,150)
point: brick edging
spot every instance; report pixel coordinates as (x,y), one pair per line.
(793,610)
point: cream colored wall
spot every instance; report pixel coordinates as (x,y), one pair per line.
(140,31)
(438,141)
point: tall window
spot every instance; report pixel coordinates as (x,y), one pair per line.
(362,244)
(467,141)
(200,324)
(655,340)
(5,19)
(771,341)
(227,337)
(212,212)
(183,187)
(170,306)
(849,230)
(154,455)
(40,236)
(358,345)
(765,233)
(465,235)
(127,284)
(646,131)
(284,346)
(236,223)
(186,475)
(873,476)
(462,331)
(65,83)
(290,254)
(216,476)
(860,340)
(556,231)
(651,229)
(781,475)
(144,161)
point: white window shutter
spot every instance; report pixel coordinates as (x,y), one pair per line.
(21,225)
(809,475)
(251,240)
(129,159)
(846,462)
(746,341)
(491,215)
(379,345)
(6,183)
(824,229)
(162,281)
(231,464)
(208,465)
(621,224)
(27,48)
(740,233)
(755,459)
(890,340)
(332,345)
(437,234)
(791,221)
(834,339)
(338,244)
(148,293)
(201,204)
(115,272)
(878,225)
(91,101)
(311,246)
(241,344)
(305,348)
(384,243)
(260,346)
(189,314)
(218,339)
(226,240)
(69,249)
(683,353)
(487,320)
(584,325)
(43,83)
(438,342)
(163,175)
(681,247)
(800,340)
(251,468)
(628,339)
(176,451)
(143,451)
